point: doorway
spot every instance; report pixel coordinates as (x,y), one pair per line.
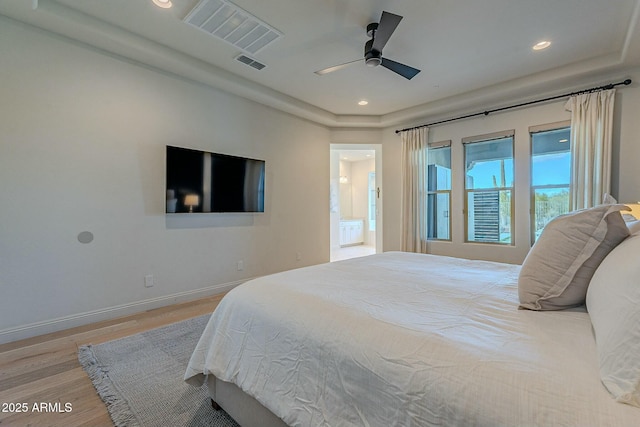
(355,200)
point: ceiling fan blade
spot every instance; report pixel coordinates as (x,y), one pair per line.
(336,67)
(386,27)
(402,69)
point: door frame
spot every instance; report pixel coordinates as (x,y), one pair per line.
(377,148)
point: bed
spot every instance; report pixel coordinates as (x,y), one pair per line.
(404,339)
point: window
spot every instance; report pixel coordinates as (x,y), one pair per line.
(550,174)
(439,191)
(488,184)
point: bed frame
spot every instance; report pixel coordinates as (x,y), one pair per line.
(244,409)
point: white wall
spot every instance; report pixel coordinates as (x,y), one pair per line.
(626,156)
(82,148)
(626,179)
(346,190)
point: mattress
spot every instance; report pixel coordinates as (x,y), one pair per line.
(403,339)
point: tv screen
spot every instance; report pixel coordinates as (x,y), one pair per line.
(199,181)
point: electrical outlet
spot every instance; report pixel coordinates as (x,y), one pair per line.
(149,281)
(240,265)
(298,256)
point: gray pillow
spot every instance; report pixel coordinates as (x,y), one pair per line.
(556,273)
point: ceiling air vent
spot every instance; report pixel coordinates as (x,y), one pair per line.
(228,22)
(250,62)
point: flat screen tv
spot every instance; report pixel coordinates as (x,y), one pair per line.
(199,181)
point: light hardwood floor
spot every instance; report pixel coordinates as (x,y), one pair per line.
(45,369)
(338,254)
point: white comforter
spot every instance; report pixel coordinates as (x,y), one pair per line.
(400,339)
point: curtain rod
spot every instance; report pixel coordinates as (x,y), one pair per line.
(487,112)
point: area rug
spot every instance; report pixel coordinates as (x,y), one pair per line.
(139,378)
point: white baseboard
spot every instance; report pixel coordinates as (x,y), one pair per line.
(79,319)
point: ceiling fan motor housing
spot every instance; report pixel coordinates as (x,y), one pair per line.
(372,57)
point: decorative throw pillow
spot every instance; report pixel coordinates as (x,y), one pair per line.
(613,301)
(555,274)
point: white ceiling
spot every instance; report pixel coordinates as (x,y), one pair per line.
(470,52)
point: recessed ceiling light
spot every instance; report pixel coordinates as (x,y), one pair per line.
(363,102)
(541,45)
(165,4)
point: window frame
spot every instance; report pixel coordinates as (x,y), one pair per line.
(466,191)
(435,146)
(532,188)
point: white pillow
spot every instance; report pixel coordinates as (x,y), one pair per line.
(634,226)
(557,270)
(613,301)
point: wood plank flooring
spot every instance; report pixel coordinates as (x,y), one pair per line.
(45,369)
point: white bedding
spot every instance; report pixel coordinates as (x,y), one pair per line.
(401,339)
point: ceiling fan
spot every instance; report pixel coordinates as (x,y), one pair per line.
(379,34)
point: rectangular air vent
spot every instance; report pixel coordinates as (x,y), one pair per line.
(228,22)
(250,62)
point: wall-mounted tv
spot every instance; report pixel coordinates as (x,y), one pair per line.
(200,181)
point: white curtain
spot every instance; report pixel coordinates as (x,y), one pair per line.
(414,190)
(591,140)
